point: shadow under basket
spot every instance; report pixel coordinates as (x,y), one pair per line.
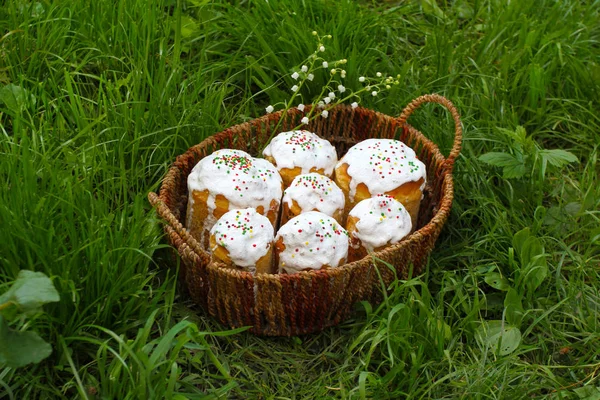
(288,305)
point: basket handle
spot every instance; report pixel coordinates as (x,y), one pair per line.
(165,213)
(436,98)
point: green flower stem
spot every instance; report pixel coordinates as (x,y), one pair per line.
(311,61)
(314,111)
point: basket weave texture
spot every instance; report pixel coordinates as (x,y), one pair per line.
(288,305)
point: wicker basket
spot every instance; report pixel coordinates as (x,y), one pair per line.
(287,305)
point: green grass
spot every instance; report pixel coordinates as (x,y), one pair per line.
(116,90)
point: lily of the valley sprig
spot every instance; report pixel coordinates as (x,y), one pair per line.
(334,92)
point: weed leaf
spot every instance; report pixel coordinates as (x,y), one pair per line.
(497,281)
(534,267)
(513,307)
(15,98)
(30,291)
(189,26)
(558,157)
(512,167)
(536,273)
(431,7)
(464,10)
(18,349)
(498,336)
(519,240)
(532,249)
(497,159)
(35,10)
(588,393)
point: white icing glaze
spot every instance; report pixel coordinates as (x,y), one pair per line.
(382,165)
(243,180)
(315,192)
(312,240)
(382,220)
(302,149)
(246,234)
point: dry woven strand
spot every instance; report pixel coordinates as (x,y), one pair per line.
(286,305)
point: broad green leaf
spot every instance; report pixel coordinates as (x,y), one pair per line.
(497,159)
(484,269)
(15,97)
(587,393)
(30,291)
(464,10)
(514,171)
(534,267)
(512,167)
(431,7)
(520,134)
(521,140)
(188,26)
(573,208)
(532,248)
(499,337)
(535,273)
(36,9)
(497,281)
(18,349)
(513,307)
(557,157)
(519,240)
